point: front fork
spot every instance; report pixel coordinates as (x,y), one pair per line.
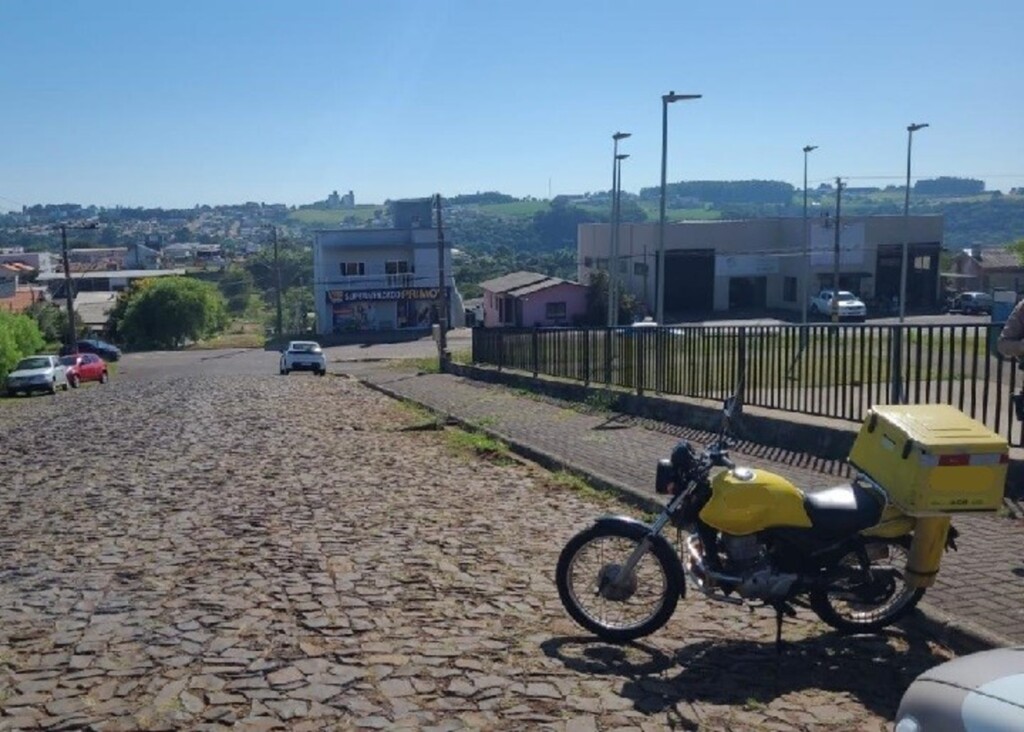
(626,571)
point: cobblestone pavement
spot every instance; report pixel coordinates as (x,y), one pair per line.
(221,547)
(980,587)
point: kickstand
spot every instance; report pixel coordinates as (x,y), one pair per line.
(778,631)
(782,608)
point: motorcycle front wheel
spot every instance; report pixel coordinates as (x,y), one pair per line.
(866,599)
(623,610)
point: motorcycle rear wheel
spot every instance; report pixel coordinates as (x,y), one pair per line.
(639,607)
(885,555)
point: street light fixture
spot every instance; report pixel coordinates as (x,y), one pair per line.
(807,240)
(70,296)
(911,129)
(659,295)
(613,249)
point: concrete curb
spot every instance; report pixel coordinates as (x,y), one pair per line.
(962,636)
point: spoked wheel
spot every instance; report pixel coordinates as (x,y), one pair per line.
(866,599)
(617,609)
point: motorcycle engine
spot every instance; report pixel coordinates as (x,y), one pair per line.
(746,558)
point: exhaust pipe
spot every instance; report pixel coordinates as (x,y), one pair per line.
(701,575)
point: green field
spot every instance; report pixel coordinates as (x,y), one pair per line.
(320,217)
(524,209)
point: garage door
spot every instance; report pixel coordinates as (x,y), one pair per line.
(689,282)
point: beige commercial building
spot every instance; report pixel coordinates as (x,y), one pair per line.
(759,264)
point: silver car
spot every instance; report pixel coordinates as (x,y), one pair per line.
(37,373)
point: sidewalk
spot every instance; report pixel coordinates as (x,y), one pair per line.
(978,599)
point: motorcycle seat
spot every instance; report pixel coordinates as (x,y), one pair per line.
(843,510)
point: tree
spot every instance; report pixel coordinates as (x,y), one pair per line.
(19,337)
(53,322)
(597,302)
(170,311)
(296,304)
(237,285)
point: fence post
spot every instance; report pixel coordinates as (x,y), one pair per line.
(536,356)
(896,365)
(741,360)
(640,350)
(501,349)
(607,357)
(586,356)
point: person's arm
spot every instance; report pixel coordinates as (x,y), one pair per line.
(1011,340)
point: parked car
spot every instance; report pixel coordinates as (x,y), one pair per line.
(303,356)
(84,367)
(980,691)
(106,351)
(850,306)
(37,373)
(973,303)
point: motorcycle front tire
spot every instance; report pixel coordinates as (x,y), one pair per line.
(667,561)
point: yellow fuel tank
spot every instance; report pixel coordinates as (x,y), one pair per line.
(745,501)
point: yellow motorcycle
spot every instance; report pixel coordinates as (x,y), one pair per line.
(860,559)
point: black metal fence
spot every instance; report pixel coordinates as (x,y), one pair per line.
(827,370)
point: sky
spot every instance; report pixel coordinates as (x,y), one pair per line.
(175,104)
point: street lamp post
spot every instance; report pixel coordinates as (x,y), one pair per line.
(659,294)
(807,242)
(68,291)
(613,242)
(911,129)
(614,282)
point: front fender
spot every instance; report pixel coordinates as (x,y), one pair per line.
(633,529)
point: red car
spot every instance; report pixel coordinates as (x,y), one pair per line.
(84,367)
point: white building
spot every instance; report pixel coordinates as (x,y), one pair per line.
(383,279)
(759,264)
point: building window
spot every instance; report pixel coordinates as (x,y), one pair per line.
(922,264)
(640,269)
(588,261)
(789,289)
(353,269)
(397,266)
(602,263)
(554,311)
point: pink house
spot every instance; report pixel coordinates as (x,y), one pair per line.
(530,299)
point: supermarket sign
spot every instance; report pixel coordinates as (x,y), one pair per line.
(388,293)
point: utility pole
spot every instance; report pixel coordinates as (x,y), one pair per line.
(277,270)
(835,253)
(72,341)
(68,288)
(442,308)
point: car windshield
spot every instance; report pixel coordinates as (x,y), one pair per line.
(69,360)
(303,347)
(37,362)
(845,296)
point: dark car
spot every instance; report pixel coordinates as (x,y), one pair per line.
(106,351)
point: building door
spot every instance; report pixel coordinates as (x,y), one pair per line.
(689,282)
(748,293)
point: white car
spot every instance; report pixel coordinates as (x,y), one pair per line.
(37,373)
(303,356)
(850,306)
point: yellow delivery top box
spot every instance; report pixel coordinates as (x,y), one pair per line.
(932,458)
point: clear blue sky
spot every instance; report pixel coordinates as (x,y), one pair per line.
(176,103)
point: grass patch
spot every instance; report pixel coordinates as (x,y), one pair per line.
(423,365)
(565,480)
(480,445)
(242,333)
